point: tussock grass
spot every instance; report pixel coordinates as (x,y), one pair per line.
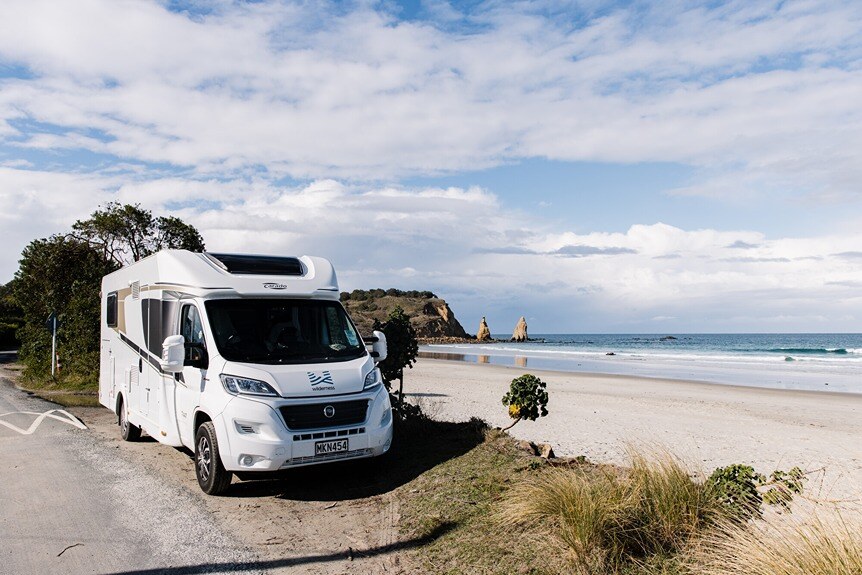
(825,543)
(665,506)
(610,520)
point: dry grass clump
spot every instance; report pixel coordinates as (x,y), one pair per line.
(823,544)
(610,520)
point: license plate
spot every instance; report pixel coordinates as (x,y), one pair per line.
(327,447)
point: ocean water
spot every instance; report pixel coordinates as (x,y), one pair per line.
(818,362)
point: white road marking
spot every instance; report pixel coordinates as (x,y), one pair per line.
(68,418)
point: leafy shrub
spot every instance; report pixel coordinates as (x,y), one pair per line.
(402,345)
(743,491)
(526,398)
(736,488)
(782,486)
(406,411)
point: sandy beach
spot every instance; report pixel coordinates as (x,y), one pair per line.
(707,425)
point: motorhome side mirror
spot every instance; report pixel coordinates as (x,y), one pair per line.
(173,354)
(196,356)
(379,347)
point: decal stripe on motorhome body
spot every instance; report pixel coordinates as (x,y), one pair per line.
(144,354)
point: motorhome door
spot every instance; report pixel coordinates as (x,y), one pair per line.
(191,381)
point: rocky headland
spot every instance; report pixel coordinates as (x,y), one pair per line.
(430,316)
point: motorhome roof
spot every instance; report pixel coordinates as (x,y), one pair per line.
(226,274)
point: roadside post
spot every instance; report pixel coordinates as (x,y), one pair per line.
(51,325)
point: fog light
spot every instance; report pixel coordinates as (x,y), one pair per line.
(387,416)
(246,460)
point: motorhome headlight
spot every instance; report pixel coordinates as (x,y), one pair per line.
(372,380)
(243,385)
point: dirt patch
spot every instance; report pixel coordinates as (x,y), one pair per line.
(336,518)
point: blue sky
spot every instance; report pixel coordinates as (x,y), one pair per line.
(594,166)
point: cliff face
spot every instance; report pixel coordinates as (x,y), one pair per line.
(430,316)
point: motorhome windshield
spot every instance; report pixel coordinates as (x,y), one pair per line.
(283,331)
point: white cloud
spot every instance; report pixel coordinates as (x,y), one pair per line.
(201,116)
(462,244)
(757,95)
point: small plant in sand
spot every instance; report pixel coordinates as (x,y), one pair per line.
(526,399)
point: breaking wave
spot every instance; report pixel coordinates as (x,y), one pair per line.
(810,351)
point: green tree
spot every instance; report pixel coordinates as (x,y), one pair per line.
(402,347)
(173,233)
(125,233)
(62,275)
(10,317)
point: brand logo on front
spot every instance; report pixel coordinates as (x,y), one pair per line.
(273,285)
(322,380)
(329,411)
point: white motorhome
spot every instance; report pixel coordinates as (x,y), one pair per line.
(249,361)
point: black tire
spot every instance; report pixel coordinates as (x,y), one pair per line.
(213,478)
(128,431)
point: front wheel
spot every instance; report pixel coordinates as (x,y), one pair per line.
(212,476)
(128,431)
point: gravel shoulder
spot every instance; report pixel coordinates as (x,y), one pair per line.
(136,508)
(72,504)
(328,520)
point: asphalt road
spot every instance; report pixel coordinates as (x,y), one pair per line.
(70,504)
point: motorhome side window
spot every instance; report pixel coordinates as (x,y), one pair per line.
(190,327)
(111,315)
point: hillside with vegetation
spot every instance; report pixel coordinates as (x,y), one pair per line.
(430,316)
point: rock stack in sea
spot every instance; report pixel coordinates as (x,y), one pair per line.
(520,333)
(484,333)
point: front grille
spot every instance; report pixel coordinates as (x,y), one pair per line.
(311,416)
(328,434)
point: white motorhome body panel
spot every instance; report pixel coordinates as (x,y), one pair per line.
(142,305)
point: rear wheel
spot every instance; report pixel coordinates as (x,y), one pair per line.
(128,431)
(212,476)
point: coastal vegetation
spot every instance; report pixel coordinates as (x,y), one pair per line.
(10,317)
(527,398)
(403,348)
(826,543)
(616,519)
(508,511)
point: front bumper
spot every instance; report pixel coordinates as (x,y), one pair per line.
(253,436)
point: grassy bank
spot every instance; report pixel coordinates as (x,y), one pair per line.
(66,390)
(463,496)
(501,510)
